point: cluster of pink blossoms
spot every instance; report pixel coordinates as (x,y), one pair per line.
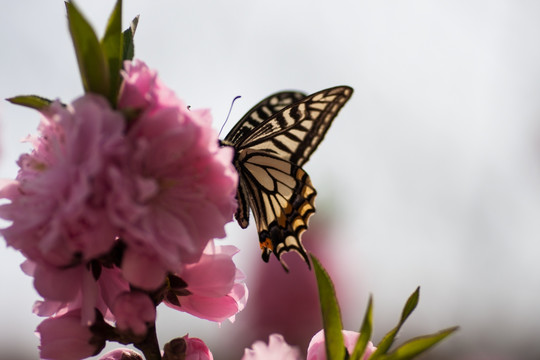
(116,211)
(276,349)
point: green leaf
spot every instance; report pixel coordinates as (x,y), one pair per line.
(365,332)
(92,64)
(418,345)
(410,305)
(32,101)
(335,346)
(129,46)
(388,339)
(111,45)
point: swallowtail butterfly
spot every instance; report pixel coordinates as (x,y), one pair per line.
(272,142)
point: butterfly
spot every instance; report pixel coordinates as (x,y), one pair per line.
(272,142)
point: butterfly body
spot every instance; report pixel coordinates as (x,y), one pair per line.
(272,142)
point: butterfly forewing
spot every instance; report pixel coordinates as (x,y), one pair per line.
(260,113)
(295,132)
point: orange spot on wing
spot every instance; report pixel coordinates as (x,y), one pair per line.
(267,244)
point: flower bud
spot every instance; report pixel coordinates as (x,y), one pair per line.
(317,349)
(186,348)
(121,354)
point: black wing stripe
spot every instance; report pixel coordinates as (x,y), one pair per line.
(283,145)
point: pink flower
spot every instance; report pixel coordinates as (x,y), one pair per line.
(176,190)
(317,351)
(142,89)
(77,288)
(212,288)
(277,349)
(121,354)
(134,311)
(58,200)
(64,338)
(108,202)
(187,348)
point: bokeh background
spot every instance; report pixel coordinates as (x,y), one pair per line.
(429,176)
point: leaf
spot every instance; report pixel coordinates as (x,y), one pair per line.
(129,46)
(32,101)
(111,45)
(410,305)
(365,332)
(388,339)
(335,346)
(92,64)
(418,345)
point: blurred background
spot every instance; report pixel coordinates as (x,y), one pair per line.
(430,175)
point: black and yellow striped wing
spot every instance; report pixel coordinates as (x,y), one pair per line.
(260,113)
(272,141)
(295,132)
(282,198)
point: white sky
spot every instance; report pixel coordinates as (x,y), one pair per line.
(431,172)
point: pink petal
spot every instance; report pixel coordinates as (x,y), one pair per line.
(64,338)
(58,284)
(143,271)
(212,276)
(277,349)
(213,309)
(134,311)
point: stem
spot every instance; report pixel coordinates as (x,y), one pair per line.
(149,346)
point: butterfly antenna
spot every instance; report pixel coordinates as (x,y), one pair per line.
(227,118)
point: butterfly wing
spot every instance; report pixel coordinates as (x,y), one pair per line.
(282,198)
(295,132)
(260,113)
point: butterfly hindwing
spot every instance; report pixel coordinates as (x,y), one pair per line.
(282,198)
(272,141)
